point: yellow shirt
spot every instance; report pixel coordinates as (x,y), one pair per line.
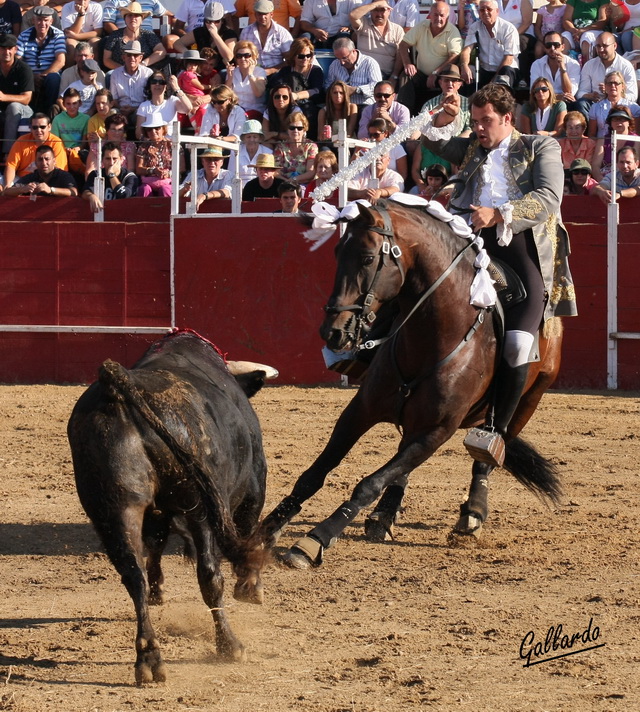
(433,51)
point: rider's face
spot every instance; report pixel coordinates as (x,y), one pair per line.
(489,126)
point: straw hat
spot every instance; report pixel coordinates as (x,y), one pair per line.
(213,152)
(265,160)
(134,9)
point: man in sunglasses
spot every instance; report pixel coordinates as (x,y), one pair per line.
(562,71)
(377,36)
(591,89)
(22,156)
(386,107)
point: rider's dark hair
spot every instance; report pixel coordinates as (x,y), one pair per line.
(498,96)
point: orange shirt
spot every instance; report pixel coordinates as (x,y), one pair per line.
(22,155)
(283,10)
(586,147)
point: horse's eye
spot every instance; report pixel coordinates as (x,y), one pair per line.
(367,260)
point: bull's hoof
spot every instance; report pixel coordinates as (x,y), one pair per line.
(378,526)
(150,668)
(304,554)
(248,592)
(468,525)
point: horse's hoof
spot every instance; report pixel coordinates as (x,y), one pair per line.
(468,525)
(249,592)
(378,527)
(304,554)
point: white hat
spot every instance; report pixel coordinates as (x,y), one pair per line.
(154,120)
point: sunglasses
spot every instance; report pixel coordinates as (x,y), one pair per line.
(382,96)
(375,134)
(281,96)
(553,45)
(304,56)
(40,128)
(243,55)
(537,90)
(219,102)
(296,128)
(581,172)
(158,81)
(613,84)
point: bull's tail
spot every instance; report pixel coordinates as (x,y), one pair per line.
(118,384)
(531,469)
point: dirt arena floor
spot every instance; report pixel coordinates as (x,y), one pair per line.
(405,625)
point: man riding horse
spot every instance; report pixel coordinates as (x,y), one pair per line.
(510,186)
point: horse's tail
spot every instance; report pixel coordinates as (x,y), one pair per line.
(240,552)
(532,470)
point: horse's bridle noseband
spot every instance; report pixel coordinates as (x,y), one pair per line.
(389,250)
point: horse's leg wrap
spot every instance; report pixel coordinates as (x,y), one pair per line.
(379,524)
(474,512)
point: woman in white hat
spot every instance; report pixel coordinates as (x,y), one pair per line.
(248,80)
(249,151)
(152,49)
(157,102)
(153,159)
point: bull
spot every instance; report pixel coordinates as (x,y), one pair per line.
(174,437)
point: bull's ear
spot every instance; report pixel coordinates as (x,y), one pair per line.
(251,382)
(366,214)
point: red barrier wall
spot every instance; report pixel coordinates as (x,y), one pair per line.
(250,285)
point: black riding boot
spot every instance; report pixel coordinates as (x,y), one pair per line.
(486,444)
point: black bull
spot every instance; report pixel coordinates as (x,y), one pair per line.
(175,435)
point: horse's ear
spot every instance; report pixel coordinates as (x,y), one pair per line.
(366,214)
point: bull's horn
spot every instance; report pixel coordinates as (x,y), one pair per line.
(237,368)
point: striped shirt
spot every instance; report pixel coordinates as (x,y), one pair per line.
(40,58)
(365,75)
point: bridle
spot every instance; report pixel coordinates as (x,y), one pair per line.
(390,252)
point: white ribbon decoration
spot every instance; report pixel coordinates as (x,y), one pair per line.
(326,221)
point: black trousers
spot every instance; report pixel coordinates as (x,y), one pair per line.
(521,255)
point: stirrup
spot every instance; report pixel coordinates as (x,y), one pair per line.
(485,446)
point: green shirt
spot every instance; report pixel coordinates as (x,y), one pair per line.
(71,131)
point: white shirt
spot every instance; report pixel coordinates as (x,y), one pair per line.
(246,173)
(92,19)
(222,182)
(236,120)
(242,87)
(493,175)
(128,89)
(191,12)
(168,110)
(87,94)
(593,73)
(317,13)
(505,41)
(405,13)
(278,42)
(540,68)
(389,179)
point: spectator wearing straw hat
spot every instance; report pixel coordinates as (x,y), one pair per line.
(128,83)
(213,181)
(271,39)
(250,149)
(113,18)
(44,49)
(150,46)
(266,184)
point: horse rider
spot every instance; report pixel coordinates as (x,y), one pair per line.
(510,187)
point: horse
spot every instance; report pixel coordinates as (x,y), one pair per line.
(431,375)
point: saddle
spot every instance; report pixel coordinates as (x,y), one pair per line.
(508,285)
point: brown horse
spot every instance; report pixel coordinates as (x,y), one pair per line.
(431,376)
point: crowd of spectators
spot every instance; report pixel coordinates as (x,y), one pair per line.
(74,74)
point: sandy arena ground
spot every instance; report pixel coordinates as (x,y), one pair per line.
(405,625)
